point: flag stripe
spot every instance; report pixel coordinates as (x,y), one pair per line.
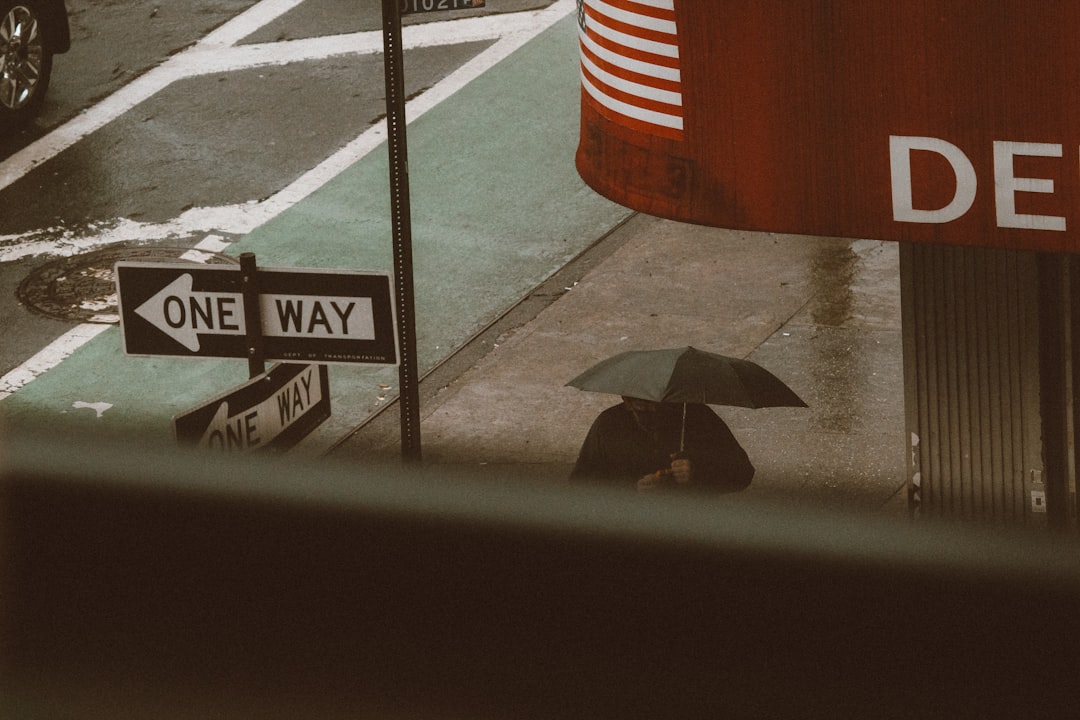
(634,117)
(622,98)
(641,63)
(656,20)
(636,35)
(652,91)
(658,4)
(630,67)
(636,44)
(664,9)
(634,110)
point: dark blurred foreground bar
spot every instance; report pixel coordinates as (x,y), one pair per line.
(147,585)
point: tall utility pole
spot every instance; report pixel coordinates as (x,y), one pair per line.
(401,223)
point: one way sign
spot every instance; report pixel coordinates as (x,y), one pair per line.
(315,316)
(273,411)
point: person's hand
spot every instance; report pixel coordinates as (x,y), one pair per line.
(682,471)
(680,474)
(654,481)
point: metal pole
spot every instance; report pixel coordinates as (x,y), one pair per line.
(409,398)
(252,315)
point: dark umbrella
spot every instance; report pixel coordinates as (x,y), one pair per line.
(688,375)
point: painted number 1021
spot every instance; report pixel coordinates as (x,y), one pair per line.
(418,6)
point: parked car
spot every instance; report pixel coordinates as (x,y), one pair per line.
(31,32)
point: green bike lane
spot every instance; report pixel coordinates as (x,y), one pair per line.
(497,207)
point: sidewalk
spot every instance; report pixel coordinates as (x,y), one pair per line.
(823,314)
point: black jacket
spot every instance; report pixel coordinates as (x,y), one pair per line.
(618,450)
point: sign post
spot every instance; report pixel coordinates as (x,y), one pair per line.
(401,221)
(252,315)
(400,212)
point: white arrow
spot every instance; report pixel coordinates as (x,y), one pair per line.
(183,314)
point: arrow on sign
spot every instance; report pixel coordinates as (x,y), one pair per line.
(184,314)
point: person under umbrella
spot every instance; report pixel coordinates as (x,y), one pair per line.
(662,434)
(652,446)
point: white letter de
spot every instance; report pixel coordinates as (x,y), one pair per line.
(900,147)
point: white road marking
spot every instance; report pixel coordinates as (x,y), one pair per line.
(210,56)
(216,53)
(517,35)
(209,244)
(49,357)
(234,219)
(510,31)
(97,407)
(58,350)
(249,21)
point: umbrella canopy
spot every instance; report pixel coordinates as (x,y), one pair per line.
(688,375)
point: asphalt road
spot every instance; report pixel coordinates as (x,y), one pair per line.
(162,121)
(247,142)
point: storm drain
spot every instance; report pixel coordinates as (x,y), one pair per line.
(82,288)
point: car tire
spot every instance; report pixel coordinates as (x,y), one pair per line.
(25,61)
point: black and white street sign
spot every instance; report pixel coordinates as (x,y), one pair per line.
(273,411)
(191,310)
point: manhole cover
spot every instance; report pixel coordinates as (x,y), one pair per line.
(82,288)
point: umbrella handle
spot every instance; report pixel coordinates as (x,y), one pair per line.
(682,435)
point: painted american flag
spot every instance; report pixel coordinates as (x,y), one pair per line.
(630,63)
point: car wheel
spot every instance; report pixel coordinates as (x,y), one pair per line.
(25,61)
